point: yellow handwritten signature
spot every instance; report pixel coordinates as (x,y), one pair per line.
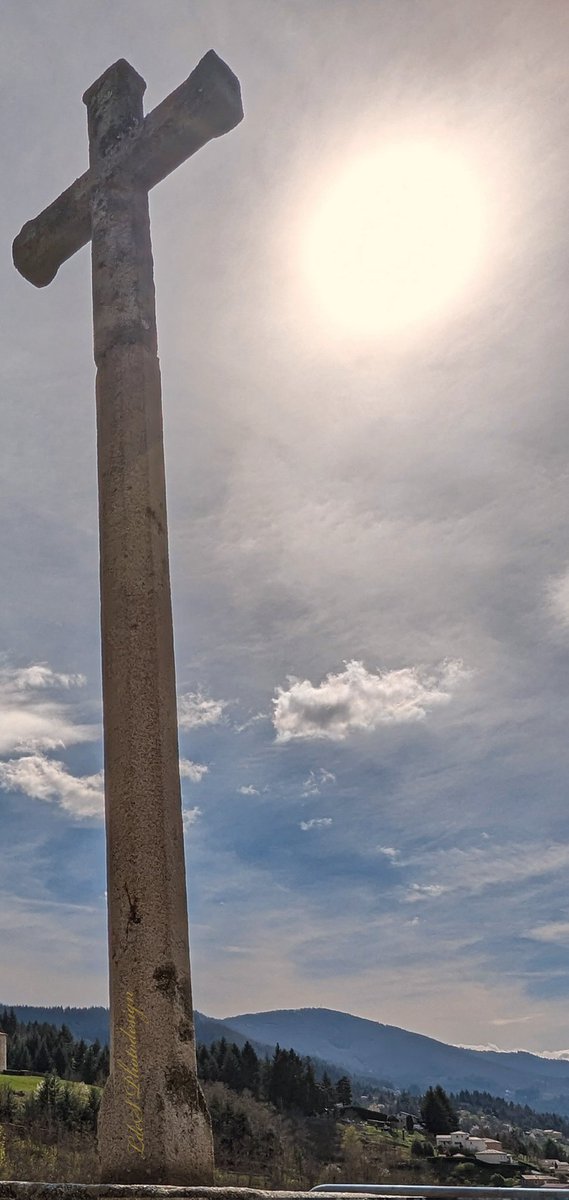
(131,1076)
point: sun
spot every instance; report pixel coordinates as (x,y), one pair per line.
(395,239)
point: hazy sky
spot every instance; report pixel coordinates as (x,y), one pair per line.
(368,501)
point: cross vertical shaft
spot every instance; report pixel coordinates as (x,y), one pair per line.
(153,1125)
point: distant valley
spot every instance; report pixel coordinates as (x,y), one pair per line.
(365,1049)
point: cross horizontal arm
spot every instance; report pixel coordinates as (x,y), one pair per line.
(207,105)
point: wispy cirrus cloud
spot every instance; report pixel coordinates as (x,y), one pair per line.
(248,790)
(476,870)
(316,823)
(557,592)
(356,700)
(315,780)
(196,710)
(553,931)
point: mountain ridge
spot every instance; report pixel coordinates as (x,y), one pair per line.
(371,1051)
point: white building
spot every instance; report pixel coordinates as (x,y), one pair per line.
(459,1140)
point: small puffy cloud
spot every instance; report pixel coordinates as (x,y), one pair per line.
(248,790)
(557,590)
(389,851)
(190,816)
(315,780)
(192,770)
(31,720)
(195,709)
(316,823)
(424,891)
(46,779)
(357,700)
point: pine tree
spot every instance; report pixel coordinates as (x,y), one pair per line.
(344,1090)
(437,1112)
(250,1070)
(60,1062)
(42,1060)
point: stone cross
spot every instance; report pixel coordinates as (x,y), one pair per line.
(154,1126)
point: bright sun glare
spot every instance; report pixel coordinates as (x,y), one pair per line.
(395,239)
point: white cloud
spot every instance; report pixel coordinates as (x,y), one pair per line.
(37,676)
(316,823)
(190,816)
(424,891)
(29,719)
(326,776)
(46,779)
(520,1020)
(389,852)
(477,870)
(555,931)
(486,1046)
(195,709)
(357,700)
(192,770)
(315,780)
(558,597)
(248,790)
(260,716)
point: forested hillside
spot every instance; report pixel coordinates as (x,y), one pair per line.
(368,1050)
(45,1049)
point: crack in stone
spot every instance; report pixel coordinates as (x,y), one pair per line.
(134,916)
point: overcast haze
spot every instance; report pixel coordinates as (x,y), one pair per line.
(368,523)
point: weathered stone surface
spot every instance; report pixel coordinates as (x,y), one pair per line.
(205,106)
(154,1127)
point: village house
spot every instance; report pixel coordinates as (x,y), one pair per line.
(536,1180)
(450,1143)
(561,1169)
(485,1150)
(493,1157)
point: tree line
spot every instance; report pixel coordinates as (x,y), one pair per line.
(43,1049)
(287,1081)
(511,1112)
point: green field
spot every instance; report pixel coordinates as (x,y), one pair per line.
(21,1083)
